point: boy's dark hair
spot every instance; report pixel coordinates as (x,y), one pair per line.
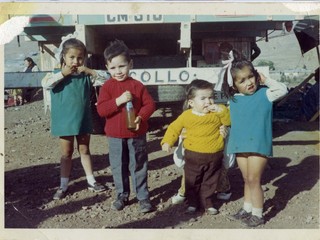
(197,84)
(116,48)
(72,43)
(237,64)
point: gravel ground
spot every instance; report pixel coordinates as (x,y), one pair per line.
(291,182)
(31,176)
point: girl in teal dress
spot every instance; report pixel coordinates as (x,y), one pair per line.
(251,96)
(70,91)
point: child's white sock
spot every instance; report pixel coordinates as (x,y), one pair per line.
(91,180)
(257,212)
(247,207)
(64,183)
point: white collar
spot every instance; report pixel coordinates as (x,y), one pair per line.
(197,113)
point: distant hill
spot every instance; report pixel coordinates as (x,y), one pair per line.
(284,51)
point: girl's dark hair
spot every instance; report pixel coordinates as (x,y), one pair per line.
(30,60)
(72,43)
(197,84)
(115,49)
(238,63)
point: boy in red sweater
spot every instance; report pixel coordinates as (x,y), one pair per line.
(127,148)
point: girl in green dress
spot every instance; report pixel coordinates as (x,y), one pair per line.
(70,90)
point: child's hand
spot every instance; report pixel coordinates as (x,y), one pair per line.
(137,121)
(262,78)
(67,70)
(124,97)
(86,70)
(183,133)
(214,108)
(166,147)
(224,130)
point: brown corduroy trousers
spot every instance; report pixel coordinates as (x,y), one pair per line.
(202,172)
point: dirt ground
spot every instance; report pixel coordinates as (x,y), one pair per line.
(291,182)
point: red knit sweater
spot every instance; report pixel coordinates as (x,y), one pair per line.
(116,115)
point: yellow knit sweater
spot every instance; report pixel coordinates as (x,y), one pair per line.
(202,132)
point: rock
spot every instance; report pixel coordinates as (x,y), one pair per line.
(309,219)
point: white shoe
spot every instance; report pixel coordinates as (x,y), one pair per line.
(224,196)
(212,211)
(191,210)
(177,199)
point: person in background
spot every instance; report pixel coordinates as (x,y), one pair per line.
(255,51)
(23,95)
(127,147)
(70,91)
(203,144)
(251,132)
(30,66)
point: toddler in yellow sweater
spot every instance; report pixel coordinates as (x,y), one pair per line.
(203,144)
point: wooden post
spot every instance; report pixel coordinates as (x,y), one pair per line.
(315,116)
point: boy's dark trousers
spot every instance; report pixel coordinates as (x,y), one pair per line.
(128,156)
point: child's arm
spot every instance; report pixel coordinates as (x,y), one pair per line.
(222,112)
(147,108)
(98,77)
(172,134)
(51,80)
(107,104)
(276,90)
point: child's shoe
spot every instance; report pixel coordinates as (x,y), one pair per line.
(224,196)
(253,221)
(212,211)
(145,206)
(119,204)
(177,199)
(241,214)
(96,187)
(191,210)
(60,194)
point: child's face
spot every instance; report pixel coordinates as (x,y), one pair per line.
(119,67)
(74,58)
(203,98)
(245,81)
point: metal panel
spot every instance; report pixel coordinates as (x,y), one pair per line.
(68,19)
(22,79)
(242,18)
(156,76)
